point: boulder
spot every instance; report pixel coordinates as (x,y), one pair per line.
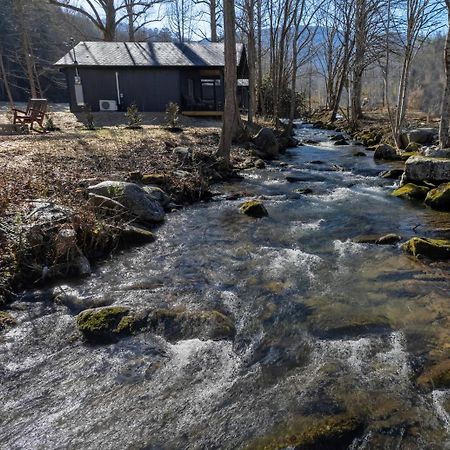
(260,164)
(386,151)
(430,248)
(286,142)
(106,203)
(132,235)
(154,178)
(48,213)
(439,198)
(176,325)
(419,136)
(341,142)
(369,138)
(254,208)
(104,324)
(436,152)
(156,193)
(133,197)
(419,168)
(267,145)
(389,239)
(411,191)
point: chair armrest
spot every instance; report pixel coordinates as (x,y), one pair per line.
(18,110)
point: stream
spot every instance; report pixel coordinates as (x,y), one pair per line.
(324,325)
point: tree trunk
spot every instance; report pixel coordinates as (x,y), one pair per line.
(26,47)
(261,107)
(358,64)
(4,76)
(109,33)
(130,15)
(444,140)
(251,63)
(213,20)
(231,119)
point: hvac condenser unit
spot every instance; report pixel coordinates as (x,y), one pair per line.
(108,105)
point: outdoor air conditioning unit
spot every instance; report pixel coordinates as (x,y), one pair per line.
(108,105)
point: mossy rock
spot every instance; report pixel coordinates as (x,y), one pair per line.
(439,198)
(154,178)
(411,191)
(135,235)
(335,432)
(106,324)
(6,320)
(176,324)
(369,138)
(436,376)
(413,147)
(430,248)
(254,208)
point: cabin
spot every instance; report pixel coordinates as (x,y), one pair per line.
(110,76)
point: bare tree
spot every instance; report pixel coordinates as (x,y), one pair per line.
(231,118)
(444,140)
(180,17)
(214,10)
(107,15)
(422,19)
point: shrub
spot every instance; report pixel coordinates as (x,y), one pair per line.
(133,116)
(172,115)
(88,118)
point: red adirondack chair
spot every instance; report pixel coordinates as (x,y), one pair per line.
(35,113)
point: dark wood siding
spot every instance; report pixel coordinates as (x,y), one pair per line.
(150,88)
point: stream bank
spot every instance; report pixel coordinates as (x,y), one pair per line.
(329,328)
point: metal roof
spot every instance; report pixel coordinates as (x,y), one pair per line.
(144,54)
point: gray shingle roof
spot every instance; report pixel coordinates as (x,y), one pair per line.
(147,54)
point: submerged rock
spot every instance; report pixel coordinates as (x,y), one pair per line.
(6,320)
(134,198)
(305,191)
(436,376)
(133,234)
(393,173)
(430,248)
(387,239)
(297,177)
(341,142)
(266,143)
(411,191)
(260,164)
(419,168)
(105,324)
(359,154)
(254,208)
(334,432)
(176,325)
(439,198)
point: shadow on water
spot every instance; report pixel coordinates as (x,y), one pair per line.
(325,326)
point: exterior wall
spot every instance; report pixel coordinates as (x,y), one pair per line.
(149,88)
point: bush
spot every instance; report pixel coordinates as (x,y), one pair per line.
(285,100)
(88,118)
(49,124)
(172,115)
(133,116)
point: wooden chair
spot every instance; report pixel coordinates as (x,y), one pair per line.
(35,113)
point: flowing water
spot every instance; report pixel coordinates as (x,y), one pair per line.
(324,325)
